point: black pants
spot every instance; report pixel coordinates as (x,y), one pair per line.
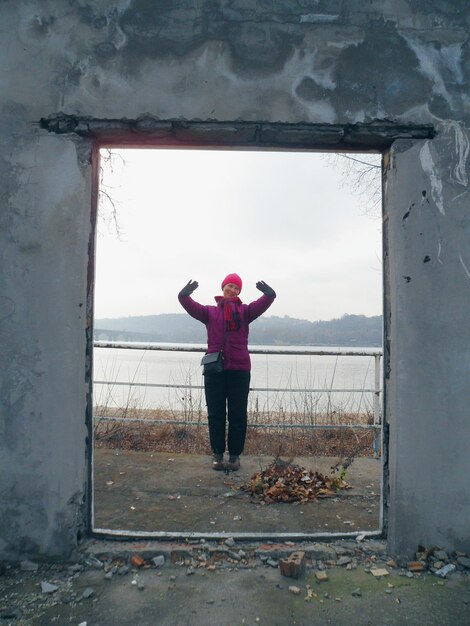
(227,395)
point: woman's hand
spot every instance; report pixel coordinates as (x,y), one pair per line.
(266,289)
(189,288)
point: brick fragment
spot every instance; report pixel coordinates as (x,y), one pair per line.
(137,560)
(416,566)
(294,565)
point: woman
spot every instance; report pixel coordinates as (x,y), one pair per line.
(226,391)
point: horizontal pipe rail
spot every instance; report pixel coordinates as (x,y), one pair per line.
(253,350)
(294,390)
(142,420)
(376,391)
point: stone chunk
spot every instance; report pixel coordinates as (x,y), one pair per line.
(321,551)
(48,587)
(378,572)
(440,555)
(294,565)
(447,569)
(321,575)
(158,561)
(88,593)
(464,561)
(295,590)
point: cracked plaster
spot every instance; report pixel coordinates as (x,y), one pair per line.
(300,63)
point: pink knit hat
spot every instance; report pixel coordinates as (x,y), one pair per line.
(232,278)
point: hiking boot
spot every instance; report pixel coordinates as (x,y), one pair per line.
(233,463)
(218,462)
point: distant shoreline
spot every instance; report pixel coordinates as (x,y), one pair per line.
(346,331)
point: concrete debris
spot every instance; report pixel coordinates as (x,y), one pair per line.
(447,569)
(88,593)
(440,555)
(92,561)
(216,557)
(230,542)
(48,587)
(379,572)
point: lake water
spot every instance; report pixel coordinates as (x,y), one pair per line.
(314,377)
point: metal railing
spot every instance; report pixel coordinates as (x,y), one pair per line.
(376,390)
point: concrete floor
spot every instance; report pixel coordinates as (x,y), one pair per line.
(143,491)
(250,597)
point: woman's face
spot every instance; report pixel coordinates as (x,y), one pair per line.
(231,290)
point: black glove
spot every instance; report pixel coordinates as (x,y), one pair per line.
(189,288)
(266,289)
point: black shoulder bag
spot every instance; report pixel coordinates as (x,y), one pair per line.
(214,361)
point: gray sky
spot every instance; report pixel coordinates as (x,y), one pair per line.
(283,217)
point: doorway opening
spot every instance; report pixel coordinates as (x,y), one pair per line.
(307,223)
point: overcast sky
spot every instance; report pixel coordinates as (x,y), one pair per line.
(283,217)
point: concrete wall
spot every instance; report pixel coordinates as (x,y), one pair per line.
(308,62)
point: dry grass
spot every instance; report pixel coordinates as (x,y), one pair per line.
(193,439)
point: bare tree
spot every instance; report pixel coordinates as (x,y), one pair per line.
(108,206)
(362,175)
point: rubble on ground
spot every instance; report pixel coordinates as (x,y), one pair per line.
(45,585)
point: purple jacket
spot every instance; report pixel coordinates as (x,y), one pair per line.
(236,356)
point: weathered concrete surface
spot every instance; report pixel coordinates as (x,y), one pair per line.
(306,62)
(257,595)
(432,445)
(181,493)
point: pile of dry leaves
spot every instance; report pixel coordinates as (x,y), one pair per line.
(283,481)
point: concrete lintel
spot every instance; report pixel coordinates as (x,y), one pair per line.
(376,135)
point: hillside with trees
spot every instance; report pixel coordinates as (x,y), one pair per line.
(348,330)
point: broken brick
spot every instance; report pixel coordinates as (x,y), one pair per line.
(294,565)
(137,561)
(416,566)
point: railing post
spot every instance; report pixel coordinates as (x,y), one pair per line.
(377,406)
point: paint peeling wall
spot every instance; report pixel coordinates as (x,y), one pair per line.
(304,61)
(428,222)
